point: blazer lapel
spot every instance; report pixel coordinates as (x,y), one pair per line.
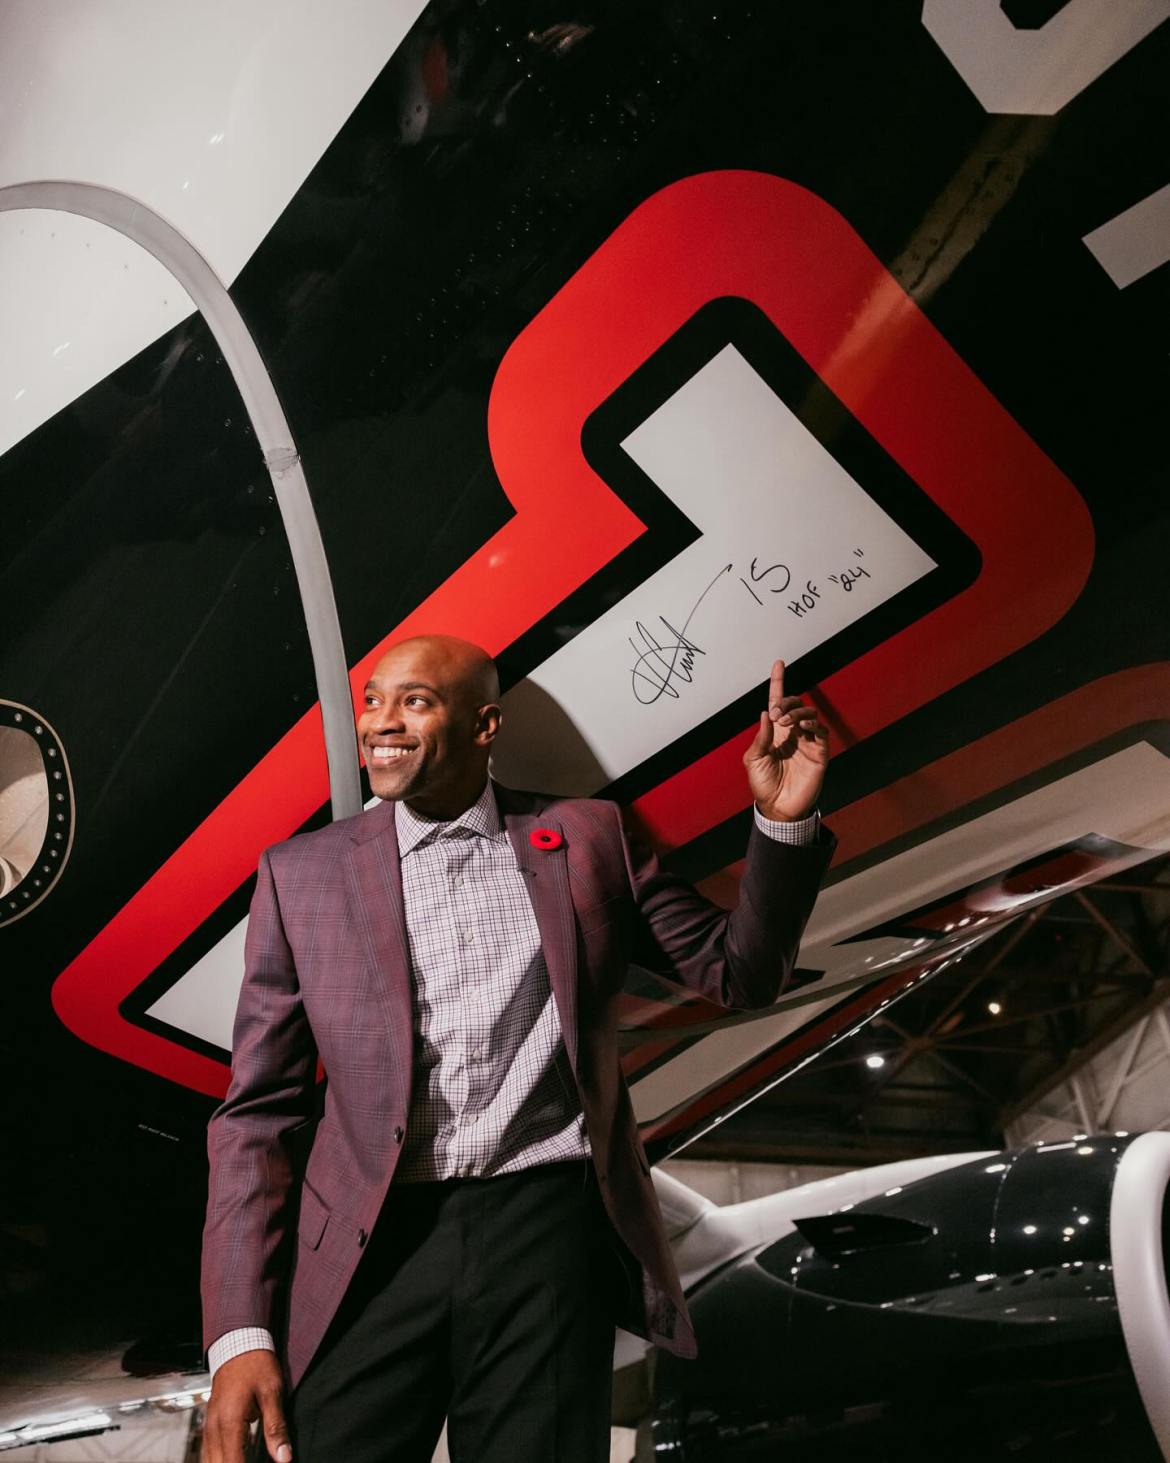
(375,885)
(546,874)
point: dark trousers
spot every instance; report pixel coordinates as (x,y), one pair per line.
(490,1302)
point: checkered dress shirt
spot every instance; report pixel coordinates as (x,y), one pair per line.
(493,1091)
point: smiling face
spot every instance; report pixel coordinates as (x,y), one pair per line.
(429,717)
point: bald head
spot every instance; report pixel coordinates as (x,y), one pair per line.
(465,665)
(430,714)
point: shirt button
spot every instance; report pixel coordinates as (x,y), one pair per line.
(468,936)
(362,1237)
(399,1134)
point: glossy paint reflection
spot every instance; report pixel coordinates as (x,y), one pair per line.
(970,1315)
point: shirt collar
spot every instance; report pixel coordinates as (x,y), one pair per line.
(482,817)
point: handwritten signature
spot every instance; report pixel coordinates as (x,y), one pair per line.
(666,658)
(662,662)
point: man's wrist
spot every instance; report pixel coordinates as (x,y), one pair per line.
(235,1343)
(770,817)
(788,830)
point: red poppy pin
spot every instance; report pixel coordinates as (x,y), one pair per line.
(546,838)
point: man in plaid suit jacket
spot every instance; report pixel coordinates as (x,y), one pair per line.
(521,1252)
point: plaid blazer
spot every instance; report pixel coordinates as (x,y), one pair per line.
(327,975)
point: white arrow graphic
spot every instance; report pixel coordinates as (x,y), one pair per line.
(792,551)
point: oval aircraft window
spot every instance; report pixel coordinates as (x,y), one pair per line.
(36,809)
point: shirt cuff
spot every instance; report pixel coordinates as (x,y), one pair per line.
(235,1343)
(803,830)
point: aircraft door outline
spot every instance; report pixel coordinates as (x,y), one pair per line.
(281,459)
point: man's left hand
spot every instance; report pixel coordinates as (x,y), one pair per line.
(786,762)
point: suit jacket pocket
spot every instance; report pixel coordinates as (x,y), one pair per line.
(313,1218)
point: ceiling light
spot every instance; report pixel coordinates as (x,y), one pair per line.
(875,1061)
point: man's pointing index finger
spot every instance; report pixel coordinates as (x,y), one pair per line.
(776,692)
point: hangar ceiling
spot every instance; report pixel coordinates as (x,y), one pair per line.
(991,1049)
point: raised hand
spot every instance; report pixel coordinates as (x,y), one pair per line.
(786,762)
